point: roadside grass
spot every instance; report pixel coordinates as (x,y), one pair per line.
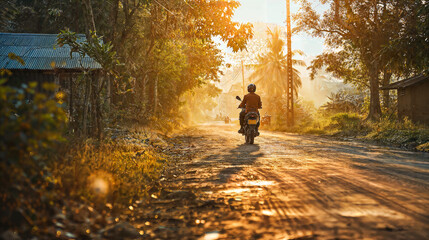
(116,171)
(45,172)
(340,124)
(403,134)
(107,176)
(386,131)
(423,147)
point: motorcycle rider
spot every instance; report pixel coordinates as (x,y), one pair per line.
(251,103)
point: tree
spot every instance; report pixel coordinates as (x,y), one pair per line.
(198,102)
(270,72)
(183,29)
(356,31)
(409,52)
(165,47)
(7,14)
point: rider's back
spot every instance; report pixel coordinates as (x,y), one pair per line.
(252,102)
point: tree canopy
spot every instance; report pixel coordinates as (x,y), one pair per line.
(164,48)
(359,34)
(270,71)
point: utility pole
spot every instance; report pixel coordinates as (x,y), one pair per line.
(289,95)
(242,76)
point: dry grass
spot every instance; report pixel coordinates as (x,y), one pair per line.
(387,131)
(117,171)
(399,133)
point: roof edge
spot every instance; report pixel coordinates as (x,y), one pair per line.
(38,34)
(406,82)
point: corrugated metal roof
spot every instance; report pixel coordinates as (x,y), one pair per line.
(407,82)
(39,53)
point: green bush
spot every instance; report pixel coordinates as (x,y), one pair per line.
(423,147)
(31,125)
(347,124)
(119,171)
(345,101)
(399,133)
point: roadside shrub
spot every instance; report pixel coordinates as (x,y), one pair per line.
(344,101)
(399,133)
(423,147)
(116,171)
(304,116)
(347,124)
(40,170)
(31,126)
(318,125)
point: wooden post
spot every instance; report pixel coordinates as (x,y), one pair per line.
(289,104)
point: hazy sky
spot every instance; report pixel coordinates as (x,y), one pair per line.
(274,11)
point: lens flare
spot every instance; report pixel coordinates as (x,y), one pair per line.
(100,183)
(100,186)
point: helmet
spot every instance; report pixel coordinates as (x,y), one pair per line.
(251,88)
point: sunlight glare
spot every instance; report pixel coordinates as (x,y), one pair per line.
(268,212)
(100,183)
(237,190)
(211,236)
(99,186)
(259,183)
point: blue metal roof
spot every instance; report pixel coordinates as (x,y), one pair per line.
(38,53)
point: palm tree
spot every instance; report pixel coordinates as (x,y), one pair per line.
(270,74)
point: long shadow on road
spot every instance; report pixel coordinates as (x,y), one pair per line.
(225,164)
(238,158)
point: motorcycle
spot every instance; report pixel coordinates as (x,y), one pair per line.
(227,120)
(251,120)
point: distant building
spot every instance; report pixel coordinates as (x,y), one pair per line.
(413,98)
(46,62)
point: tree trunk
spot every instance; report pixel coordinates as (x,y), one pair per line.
(108,93)
(144,94)
(374,105)
(386,94)
(155,101)
(97,106)
(94,121)
(114,21)
(86,103)
(89,18)
(140,95)
(71,103)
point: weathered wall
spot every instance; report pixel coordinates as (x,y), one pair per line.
(19,77)
(420,102)
(413,102)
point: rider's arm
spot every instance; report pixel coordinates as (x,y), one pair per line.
(243,103)
(260,103)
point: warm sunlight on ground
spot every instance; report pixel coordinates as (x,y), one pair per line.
(204,119)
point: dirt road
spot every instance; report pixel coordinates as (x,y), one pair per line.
(290,186)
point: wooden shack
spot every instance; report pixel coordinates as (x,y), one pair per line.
(413,98)
(44,61)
